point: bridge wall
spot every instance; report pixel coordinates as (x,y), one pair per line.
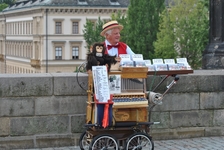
(49,110)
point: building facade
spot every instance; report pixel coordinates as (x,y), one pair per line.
(46,36)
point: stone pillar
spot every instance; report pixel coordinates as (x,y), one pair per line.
(213,56)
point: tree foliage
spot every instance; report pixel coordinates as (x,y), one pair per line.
(9,2)
(189,24)
(5,3)
(92,32)
(3,6)
(164,45)
(142,25)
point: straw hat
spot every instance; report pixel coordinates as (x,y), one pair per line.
(110,25)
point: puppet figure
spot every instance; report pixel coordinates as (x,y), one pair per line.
(98,57)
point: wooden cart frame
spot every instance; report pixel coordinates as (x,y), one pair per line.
(132,133)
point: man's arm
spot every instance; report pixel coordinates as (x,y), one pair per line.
(129,51)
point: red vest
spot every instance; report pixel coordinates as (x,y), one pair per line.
(122,48)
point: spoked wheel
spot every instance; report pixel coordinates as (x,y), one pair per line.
(103,142)
(84,141)
(139,141)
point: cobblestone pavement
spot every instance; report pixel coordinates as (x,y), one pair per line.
(202,143)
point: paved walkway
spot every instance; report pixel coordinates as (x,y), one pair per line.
(203,143)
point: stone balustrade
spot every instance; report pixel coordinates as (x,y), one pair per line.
(45,110)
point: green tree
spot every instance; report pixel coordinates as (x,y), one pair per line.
(184,31)
(5,3)
(9,2)
(164,45)
(192,41)
(205,3)
(3,6)
(142,25)
(92,32)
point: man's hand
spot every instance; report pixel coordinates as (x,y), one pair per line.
(118,59)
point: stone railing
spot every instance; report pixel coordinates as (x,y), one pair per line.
(194,107)
(49,110)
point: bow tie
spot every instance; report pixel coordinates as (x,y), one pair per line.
(111,46)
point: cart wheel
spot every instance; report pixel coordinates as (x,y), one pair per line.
(104,142)
(84,141)
(139,141)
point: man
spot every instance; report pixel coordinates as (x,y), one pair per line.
(111,32)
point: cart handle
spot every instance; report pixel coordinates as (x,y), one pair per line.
(129,124)
(90,125)
(125,124)
(156,122)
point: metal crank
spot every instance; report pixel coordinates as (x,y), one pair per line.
(156,98)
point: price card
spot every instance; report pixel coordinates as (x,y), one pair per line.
(137,57)
(157,61)
(125,57)
(169,61)
(148,62)
(182,60)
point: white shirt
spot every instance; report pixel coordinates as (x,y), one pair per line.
(114,50)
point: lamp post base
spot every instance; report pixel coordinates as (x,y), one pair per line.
(213,57)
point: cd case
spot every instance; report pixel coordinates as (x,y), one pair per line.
(184,66)
(127,63)
(151,67)
(161,67)
(173,67)
(140,64)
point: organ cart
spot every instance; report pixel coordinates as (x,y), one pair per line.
(123,122)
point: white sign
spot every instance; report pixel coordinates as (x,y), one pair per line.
(169,61)
(125,57)
(182,60)
(148,62)
(137,57)
(101,86)
(157,61)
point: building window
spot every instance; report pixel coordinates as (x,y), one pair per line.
(59,50)
(114,2)
(75,52)
(75,27)
(58,53)
(82,2)
(58,28)
(14,28)
(58,25)
(28,28)
(24,31)
(31,27)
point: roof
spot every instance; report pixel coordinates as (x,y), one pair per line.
(67,3)
(20,4)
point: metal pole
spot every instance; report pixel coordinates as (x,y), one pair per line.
(46,40)
(5,44)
